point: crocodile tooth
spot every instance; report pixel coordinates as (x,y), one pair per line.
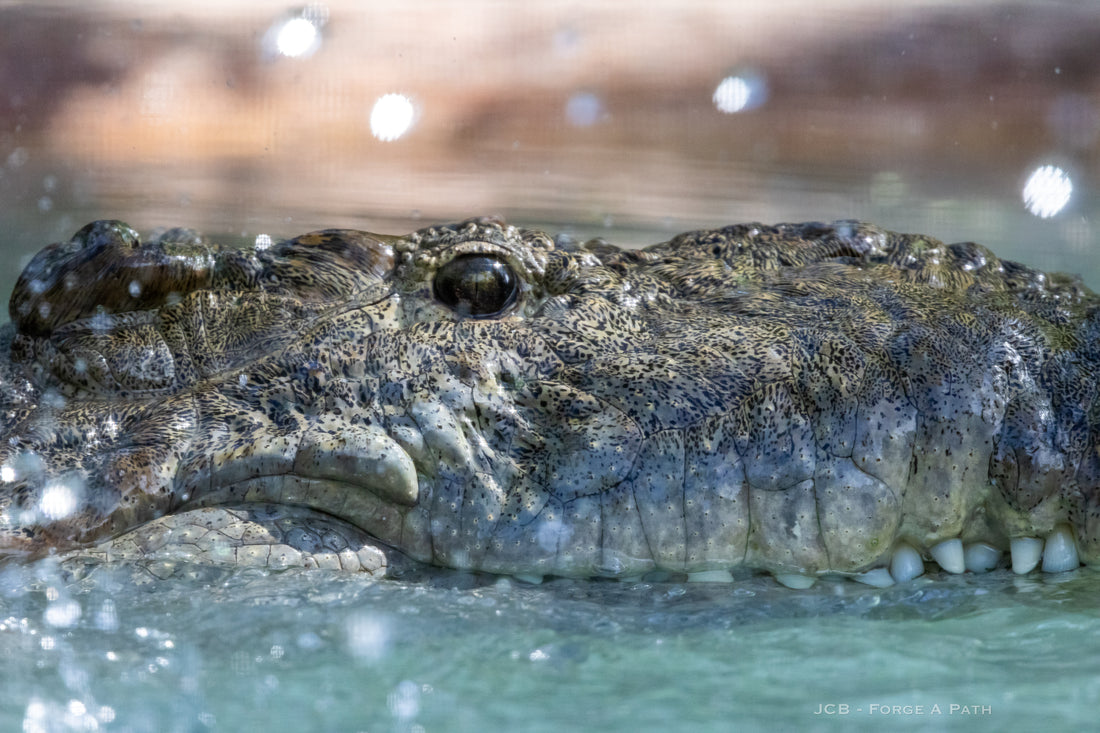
(981,558)
(879,578)
(1060,551)
(796,581)
(710,576)
(1026,552)
(949,555)
(906,563)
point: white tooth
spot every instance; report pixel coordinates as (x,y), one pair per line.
(795,580)
(949,555)
(1026,552)
(906,563)
(530,579)
(981,558)
(1060,551)
(879,578)
(710,576)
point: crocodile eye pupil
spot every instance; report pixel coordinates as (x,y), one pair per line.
(481,286)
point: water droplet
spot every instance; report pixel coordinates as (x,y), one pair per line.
(551,533)
(583,109)
(62,614)
(566,41)
(106,618)
(309,641)
(61,498)
(404,701)
(367,635)
(17,157)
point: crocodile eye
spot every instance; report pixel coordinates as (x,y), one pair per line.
(481,286)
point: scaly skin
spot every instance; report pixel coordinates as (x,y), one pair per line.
(799,399)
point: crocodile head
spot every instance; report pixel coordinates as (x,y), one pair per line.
(800,398)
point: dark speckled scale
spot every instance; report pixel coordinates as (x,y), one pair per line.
(797,398)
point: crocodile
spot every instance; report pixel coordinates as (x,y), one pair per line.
(799,399)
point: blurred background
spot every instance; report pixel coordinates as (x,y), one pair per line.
(633,121)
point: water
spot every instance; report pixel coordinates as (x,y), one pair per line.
(319,651)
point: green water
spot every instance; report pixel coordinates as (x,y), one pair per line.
(317,651)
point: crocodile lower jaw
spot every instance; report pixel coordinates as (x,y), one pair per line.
(280,536)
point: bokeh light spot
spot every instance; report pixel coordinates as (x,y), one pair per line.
(368,636)
(62,614)
(583,109)
(391,117)
(1047,191)
(297,37)
(739,93)
(296,34)
(59,499)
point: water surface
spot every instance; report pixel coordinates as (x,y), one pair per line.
(320,651)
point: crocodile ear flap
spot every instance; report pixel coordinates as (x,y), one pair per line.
(331,263)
